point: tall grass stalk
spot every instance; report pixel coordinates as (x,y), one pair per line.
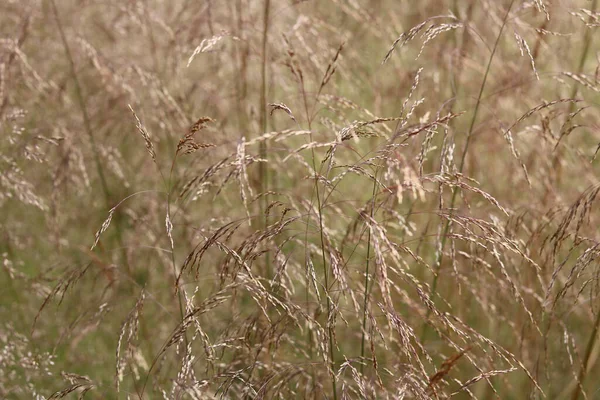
(264,175)
(309,113)
(330,327)
(585,364)
(446,229)
(263,219)
(587,43)
(367,274)
(593,338)
(321,227)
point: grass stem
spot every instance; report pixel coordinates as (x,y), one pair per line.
(446,229)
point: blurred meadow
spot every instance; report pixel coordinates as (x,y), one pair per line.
(287,199)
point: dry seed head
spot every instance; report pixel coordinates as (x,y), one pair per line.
(145,135)
(208,45)
(524,48)
(434,31)
(187,144)
(541,7)
(104,227)
(583,80)
(404,38)
(128,333)
(169,226)
(281,106)
(590,18)
(331,67)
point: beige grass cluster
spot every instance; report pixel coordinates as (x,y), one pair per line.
(337,199)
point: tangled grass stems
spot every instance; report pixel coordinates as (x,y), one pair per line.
(302,257)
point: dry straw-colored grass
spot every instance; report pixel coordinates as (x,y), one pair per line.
(333,199)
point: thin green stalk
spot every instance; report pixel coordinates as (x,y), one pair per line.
(263,152)
(263,170)
(366,293)
(81,102)
(174,264)
(88,129)
(307,289)
(330,328)
(446,229)
(594,336)
(586,359)
(587,41)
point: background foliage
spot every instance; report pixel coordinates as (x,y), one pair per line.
(299,199)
